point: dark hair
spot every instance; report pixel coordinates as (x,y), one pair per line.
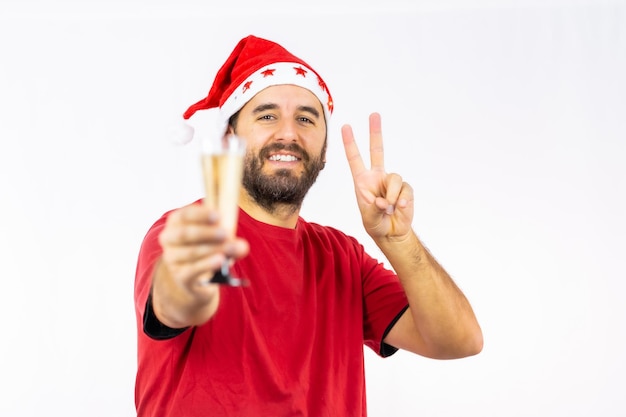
(232,122)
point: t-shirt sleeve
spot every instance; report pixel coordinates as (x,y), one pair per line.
(153,328)
(149,255)
(384,301)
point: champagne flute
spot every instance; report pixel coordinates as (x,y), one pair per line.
(222,167)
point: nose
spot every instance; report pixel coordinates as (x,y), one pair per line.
(287,130)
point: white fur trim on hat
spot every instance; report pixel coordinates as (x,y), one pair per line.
(279,73)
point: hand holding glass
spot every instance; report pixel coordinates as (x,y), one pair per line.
(222,167)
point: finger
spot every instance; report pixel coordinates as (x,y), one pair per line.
(393,186)
(178,254)
(383,205)
(203,283)
(352,151)
(237,249)
(406,196)
(188,253)
(376,142)
(189,272)
(193,213)
(194,234)
(205,267)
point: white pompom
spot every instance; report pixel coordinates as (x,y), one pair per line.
(182,133)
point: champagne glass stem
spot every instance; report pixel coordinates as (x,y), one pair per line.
(225,268)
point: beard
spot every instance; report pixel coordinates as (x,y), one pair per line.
(283,187)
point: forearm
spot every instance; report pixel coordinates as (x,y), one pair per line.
(442,316)
(177,306)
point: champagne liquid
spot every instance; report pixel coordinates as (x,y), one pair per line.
(222,181)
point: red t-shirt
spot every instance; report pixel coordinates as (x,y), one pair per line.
(289,344)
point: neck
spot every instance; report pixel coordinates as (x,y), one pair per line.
(282,215)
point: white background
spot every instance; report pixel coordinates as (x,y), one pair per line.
(508,118)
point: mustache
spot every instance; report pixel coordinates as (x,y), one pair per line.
(294,148)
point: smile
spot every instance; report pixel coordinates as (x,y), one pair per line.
(283,158)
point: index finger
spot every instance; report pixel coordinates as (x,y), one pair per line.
(376,142)
(194,213)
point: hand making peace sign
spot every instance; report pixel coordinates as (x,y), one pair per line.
(385,201)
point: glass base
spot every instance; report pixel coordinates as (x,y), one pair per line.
(224,277)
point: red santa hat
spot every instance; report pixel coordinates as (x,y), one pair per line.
(252,66)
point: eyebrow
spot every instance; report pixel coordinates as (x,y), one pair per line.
(272,106)
(310,109)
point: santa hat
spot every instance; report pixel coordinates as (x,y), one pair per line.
(252,66)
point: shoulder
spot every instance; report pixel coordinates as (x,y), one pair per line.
(328,236)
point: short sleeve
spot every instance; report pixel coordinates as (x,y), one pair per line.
(149,255)
(384,302)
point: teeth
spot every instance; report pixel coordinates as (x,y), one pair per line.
(283,158)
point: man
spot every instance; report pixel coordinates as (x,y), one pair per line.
(291,342)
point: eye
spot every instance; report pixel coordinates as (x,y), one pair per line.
(306,120)
(267,117)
